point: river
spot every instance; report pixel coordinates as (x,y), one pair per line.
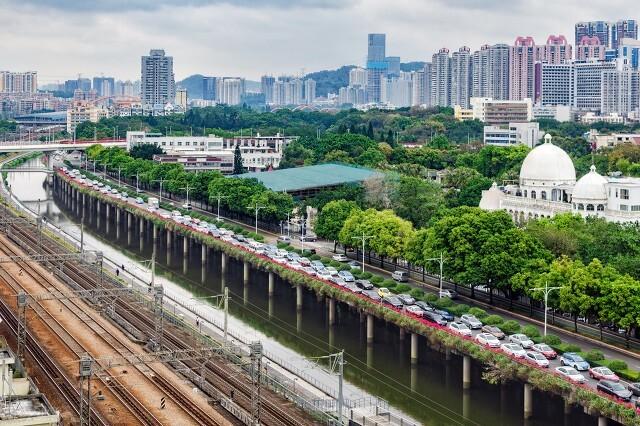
(430,392)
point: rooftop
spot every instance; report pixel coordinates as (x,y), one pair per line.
(301,178)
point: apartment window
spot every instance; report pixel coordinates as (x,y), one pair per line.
(635,208)
(624,194)
(624,207)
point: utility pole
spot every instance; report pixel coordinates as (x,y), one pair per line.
(546,289)
(119,171)
(257,208)
(219,197)
(187,188)
(137,182)
(256,373)
(364,239)
(440,261)
(161,180)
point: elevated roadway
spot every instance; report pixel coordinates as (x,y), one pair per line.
(61,145)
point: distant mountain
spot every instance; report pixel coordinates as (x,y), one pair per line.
(329,81)
(193,84)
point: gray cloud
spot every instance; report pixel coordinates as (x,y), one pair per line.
(150,5)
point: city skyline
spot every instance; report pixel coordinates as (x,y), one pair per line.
(109,37)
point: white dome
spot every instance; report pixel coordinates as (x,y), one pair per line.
(547,164)
(590,187)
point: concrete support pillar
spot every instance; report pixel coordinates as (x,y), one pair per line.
(270,307)
(141,225)
(414,348)
(185,246)
(414,378)
(567,408)
(602,421)
(223,262)
(271,284)
(155,232)
(466,372)
(298,298)
(118,216)
(98,206)
(402,334)
(129,220)
(169,239)
(332,311)
(107,209)
(528,401)
(203,254)
(370,324)
(245,272)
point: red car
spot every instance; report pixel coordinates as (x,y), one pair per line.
(545,350)
(603,373)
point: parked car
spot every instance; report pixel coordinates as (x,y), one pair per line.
(614,389)
(513,350)
(545,350)
(284,239)
(316,264)
(392,301)
(470,320)
(634,388)
(521,339)
(537,358)
(492,329)
(340,258)
(364,284)
(347,276)
(323,273)
(406,299)
(400,276)
(448,293)
(603,373)
(424,306)
(353,288)
(371,294)
(139,200)
(459,328)
(384,292)
(353,264)
(445,314)
(186,206)
(574,360)
(571,374)
(437,318)
(413,309)
(488,339)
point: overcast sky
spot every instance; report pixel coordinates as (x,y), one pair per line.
(62,38)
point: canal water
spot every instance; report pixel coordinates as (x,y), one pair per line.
(430,392)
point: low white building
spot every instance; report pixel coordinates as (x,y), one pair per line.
(211,152)
(609,141)
(547,186)
(514,134)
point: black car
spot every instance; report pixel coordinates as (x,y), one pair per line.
(393,301)
(437,318)
(445,314)
(615,389)
(371,294)
(364,284)
(634,388)
(424,306)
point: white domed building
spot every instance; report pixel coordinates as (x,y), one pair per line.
(547,186)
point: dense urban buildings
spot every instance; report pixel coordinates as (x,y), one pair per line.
(18,82)
(157,79)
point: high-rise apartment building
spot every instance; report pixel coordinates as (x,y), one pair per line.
(461,77)
(421,86)
(393,65)
(209,88)
(358,77)
(557,50)
(309,91)
(441,78)
(628,56)
(590,47)
(626,28)
(398,91)
(620,91)
(18,82)
(599,29)
(376,66)
(104,86)
(266,86)
(588,84)
(490,72)
(555,84)
(157,78)
(230,90)
(181,98)
(522,57)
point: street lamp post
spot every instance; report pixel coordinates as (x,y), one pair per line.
(363,238)
(440,260)
(187,188)
(161,180)
(137,183)
(257,208)
(119,172)
(219,197)
(546,289)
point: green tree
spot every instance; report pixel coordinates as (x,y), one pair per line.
(238,167)
(146,151)
(620,304)
(331,219)
(416,199)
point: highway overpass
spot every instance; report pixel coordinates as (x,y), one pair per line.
(61,145)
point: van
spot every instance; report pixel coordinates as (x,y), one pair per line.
(400,276)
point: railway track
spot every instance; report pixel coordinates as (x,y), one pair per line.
(218,373)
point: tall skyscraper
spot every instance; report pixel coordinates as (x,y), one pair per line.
(590,47)
(588,84)
(157,78)
(490,72)
(104,86)
(522,56)
(599,29)
(626,28)
(376,66)
(461,78)
(557,50)
(393,65)
(441,78)
(266,86)
(628,56)
(209,88)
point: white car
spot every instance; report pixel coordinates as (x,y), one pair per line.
(459,328)
(471,321)
(332,270)
(488,339)
(571,374)
(340,258)
(415,310)
(537,358)
(293,264)
(323,273)
(522,340)
(513,349)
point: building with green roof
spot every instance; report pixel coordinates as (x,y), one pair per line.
(308,180)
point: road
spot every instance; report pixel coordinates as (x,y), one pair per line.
(323,248)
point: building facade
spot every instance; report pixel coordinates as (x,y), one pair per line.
(441,78)
(18,82)
(461,77)
(527,134)
(522,57)
(157,78)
